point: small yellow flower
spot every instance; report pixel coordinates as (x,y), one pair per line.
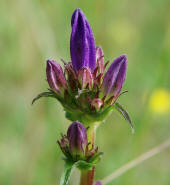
(160,101)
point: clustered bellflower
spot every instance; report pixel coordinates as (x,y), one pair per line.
(87,91)
(75,145)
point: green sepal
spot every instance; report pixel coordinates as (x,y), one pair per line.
(83,165)
(86,117)
(49,93)
(125,114)
(96,158)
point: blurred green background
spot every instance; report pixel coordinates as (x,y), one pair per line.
(32,31)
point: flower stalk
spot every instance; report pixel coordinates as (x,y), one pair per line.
(87,176)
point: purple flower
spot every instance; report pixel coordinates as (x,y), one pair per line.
(114,77)
(75,145)
(82,45)
(84,87)
(77,137)
(55,76)
(98,183)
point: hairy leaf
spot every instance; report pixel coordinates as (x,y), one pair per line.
(43,94)
(125,114)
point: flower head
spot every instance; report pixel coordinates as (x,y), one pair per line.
(75,145)
(87,91)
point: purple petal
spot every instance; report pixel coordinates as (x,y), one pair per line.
(77,136)
(115,77)
(55,76)
(82,45)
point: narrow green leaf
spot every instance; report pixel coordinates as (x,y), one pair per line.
(125,114)
(67,172)
(44,94)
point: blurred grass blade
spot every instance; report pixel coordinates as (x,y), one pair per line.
(147,155)
(125,114)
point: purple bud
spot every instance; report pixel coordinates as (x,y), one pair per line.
(55,76)
(98,183)
(85,78)
(114,77)
(77,137)
(100,60)
(82,45)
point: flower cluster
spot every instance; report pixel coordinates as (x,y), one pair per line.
(85,89)
(75,145)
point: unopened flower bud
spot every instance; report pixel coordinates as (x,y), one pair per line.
(55,76)
(85,78)
(114,77)
(99,60)
(77,137)
(82,46)
(97,103)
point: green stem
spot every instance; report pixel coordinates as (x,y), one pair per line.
(87,177)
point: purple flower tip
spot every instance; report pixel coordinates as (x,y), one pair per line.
(82,45)
(55,76)
(115,77)
(77,137)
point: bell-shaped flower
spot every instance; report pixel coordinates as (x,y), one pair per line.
(82,44)
(55,77)
(114,77)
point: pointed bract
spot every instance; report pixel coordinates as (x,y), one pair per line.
(97,103)
(114,77)
(55,76)
(77,136)
(82,45)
